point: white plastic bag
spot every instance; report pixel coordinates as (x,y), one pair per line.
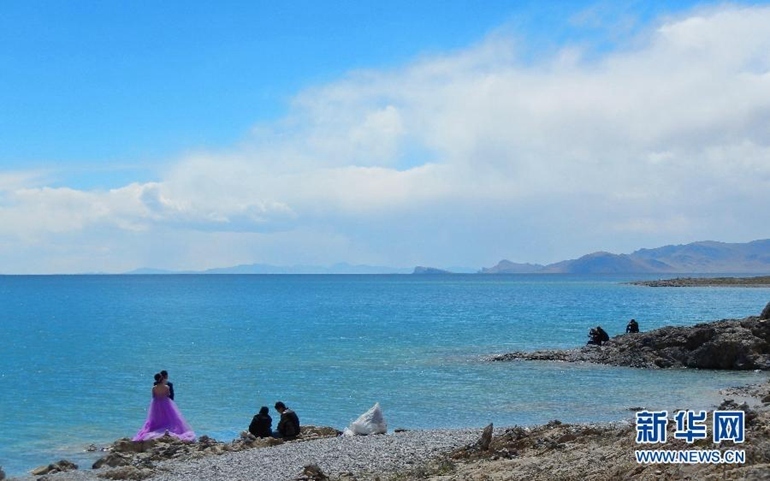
(370,422)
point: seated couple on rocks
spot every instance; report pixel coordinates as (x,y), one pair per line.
(262,424)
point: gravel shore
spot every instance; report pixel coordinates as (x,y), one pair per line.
(361,456)
(554,451)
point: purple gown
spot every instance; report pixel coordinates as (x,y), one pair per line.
(164,417)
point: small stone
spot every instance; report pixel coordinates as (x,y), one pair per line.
(128,472)
(312,472)
(41,470)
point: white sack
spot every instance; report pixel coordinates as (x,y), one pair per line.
(370,422)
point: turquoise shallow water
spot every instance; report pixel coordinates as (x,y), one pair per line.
(79,352)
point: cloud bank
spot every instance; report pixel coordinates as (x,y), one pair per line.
(460,159)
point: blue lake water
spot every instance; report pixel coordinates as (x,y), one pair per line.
(78,352)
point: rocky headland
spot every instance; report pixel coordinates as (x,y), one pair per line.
(737,344)
(757,281)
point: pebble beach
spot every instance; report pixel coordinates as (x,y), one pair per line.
(360,456)
(554,451)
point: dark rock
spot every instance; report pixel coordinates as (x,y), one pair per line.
(113,460)
(765,312)
(125,445)
(58,467)
(312,472)
(486,437)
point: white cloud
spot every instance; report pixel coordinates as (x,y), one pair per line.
(650,143)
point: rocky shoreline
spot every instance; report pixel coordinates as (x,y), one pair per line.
(557,451)
(759,281)
(551,451)
(735,344)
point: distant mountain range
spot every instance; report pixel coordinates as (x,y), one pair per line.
(707,257)
(341,268)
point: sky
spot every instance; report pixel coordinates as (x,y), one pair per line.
(194,135)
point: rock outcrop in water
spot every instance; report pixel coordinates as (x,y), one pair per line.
(759,281)
(736,344)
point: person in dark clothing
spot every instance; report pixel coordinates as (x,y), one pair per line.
(598,336)
(632,326)
(170,385)
(593,337)
(603,336)
(288,426)
(262,424)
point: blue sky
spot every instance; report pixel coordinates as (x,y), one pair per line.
(190,135)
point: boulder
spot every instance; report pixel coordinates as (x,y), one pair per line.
(58,467)
(125,445)
(113,460)
(765,315)
(486,437)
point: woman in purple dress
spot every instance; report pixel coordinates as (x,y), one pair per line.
(164,417)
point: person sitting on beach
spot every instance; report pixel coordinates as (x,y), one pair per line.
(288,426)
(598,336)
(593,337)
(632,326)
(262,424)
(603,336)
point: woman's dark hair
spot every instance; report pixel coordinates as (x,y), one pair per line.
(158,377)
(264,410)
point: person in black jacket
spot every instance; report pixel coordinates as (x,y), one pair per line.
(598,336)
(288,426)
(262,424)
(632,326)
(170,385)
